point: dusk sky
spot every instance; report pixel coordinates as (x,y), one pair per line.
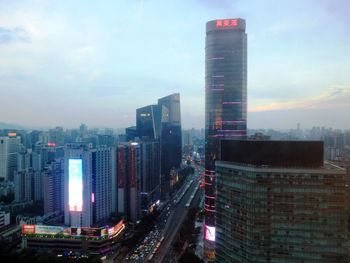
(63,63)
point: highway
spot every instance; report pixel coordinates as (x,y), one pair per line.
(173,224)
(157,245)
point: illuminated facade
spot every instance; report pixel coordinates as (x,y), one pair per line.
(77,186)
(277,202)
(225,103)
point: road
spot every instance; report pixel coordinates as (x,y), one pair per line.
(174,222)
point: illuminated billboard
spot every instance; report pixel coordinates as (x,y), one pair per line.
(48,230)
(75,185)
(28,229)
(115,230)
(209,233)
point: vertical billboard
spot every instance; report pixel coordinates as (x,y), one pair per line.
(209,233)
(75,185)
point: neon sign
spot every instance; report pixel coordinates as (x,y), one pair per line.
(227,23)
(75,188)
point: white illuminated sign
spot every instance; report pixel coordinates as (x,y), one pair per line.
(75,185)
(209,233)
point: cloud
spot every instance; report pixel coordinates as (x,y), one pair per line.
(334,97)
(17,34)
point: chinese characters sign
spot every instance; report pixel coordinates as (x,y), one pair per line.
(227,23)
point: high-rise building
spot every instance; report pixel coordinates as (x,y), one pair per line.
(28,185)
(53,186)
(8,156)
(162,122)
(170,139)
(150,174)
(129,180)
(103,183)
(148,121)
(77,186)
(225,101)
(277,201)
(89,184)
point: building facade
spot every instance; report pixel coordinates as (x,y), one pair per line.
(278,202)
(129,180)
(77,186)
(170,139)
(225,101)
(8,156)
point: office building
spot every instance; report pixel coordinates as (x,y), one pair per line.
(170,139)
(53,187)
(150,174)
(277,201)
(148,121)
(103,183)
(77,186)
(225,100)
(8,156)
(129,180)
(28,185)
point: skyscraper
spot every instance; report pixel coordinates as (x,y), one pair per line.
(170,139)
(225,102)
(8,156)
(128,180)
(278,202)
(162,123)
(77,186)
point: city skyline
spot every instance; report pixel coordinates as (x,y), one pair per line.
(104,56)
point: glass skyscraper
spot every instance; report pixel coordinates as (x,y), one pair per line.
(225,103)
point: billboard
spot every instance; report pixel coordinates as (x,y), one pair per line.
(48,230)
(209,233)
(75,185)
(116,229)
(28,229)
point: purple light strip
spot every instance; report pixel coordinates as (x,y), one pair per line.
(217,85)
(216,58)
(216,89)
(218,76)
(231,102)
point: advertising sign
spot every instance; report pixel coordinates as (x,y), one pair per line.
(48,230)
(209,233)
(75,185)
(28,229)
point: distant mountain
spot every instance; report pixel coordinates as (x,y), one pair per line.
(4,125)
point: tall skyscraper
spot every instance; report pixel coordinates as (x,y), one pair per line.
(278,202)
(148,121)
(53,186)
(103,185)
(150,174)
(170,139)
(129,179)
(162,123)
(225,102)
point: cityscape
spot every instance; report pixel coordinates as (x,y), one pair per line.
(132,133)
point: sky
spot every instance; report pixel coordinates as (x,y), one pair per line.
(63,63)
